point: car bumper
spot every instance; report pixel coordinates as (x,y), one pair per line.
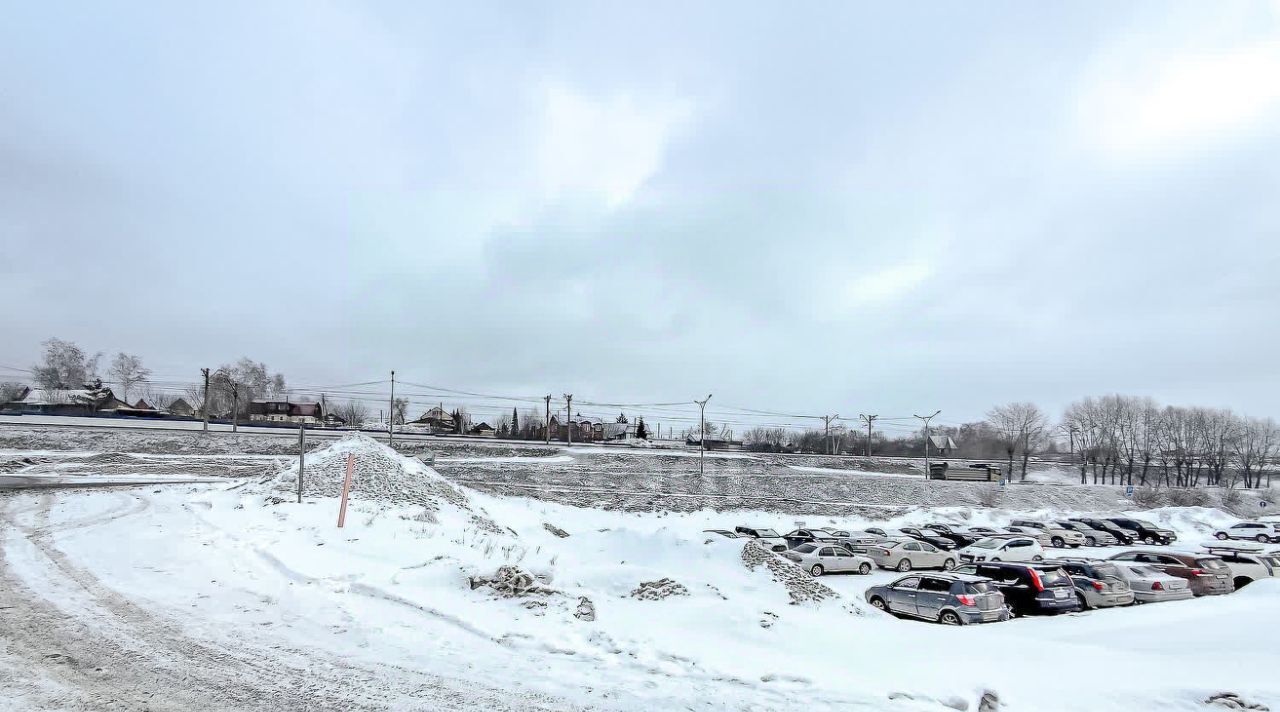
(974,615)
(1213,588)
(1162,596)
(1106,600)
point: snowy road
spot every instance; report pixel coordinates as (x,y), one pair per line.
(72,641)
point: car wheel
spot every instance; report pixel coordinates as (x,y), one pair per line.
(1057,542)
(949,618)
(879,604)
(1084,604)
(1221,536)
(1091,541)
(1242,581)
(864,569)
(1262,539)
(948,564)
(904,565)
(1149,541)
(816,570)
(1037,557)
(995,560)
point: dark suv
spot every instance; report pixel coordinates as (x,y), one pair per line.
(1145,532)
(1206,575)
(1124,536)
(1029,588)
(945,531)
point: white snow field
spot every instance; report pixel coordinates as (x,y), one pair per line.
(230,595)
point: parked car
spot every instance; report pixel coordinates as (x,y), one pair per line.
(1041,536)
(1099,584)
(1015,548)
(945,598)
(769,538)
(1059,537)
(906,553)
(855,540)
(1029,588)
(1092,537)
(808,536)
(915,533)
(1145,531)
(1123,536)
(822,558)
(1151,585)
(1205,574)
(1247,564)
(722,532)
(1260,532)
(960,539)
(984,532)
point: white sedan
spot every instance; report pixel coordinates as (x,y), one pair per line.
(822,558)
(1014,548)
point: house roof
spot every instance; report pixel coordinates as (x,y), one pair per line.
(40,396)
(942,442)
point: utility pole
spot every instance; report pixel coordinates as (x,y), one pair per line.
(391,427)
(235,407)
(926,420)
(568,417)
(204,405)
(702,432)
(868,419)
(547,398)
(826,429)
(302,449)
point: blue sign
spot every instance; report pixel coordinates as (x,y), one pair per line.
(1002,482)
(1128,491)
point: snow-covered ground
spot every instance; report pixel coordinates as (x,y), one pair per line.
(230,595)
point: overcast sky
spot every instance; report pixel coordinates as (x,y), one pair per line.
(823,208)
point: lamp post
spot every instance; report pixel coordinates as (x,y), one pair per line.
(926,419)
(702,432)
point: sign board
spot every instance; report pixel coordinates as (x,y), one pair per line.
(1002,482)
(1128,491)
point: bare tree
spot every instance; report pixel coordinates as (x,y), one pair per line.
(1023,426)
(1254,447)
(399,410)
(127,372)
(159,399)
(64,366)
(9,391)
(352,412)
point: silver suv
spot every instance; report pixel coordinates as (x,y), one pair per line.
(952,599)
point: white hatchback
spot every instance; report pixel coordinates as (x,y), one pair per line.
(1014,548)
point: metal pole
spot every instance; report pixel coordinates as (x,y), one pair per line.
(868,419)
(926,440)
(391,428)
(702,433)
(568,418)
(302,448)
(826,429)
(547,398)
(204,406)
(235,407)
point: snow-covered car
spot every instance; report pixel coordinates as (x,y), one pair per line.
(1247,564)
(1092,536)
(913,533)
(722,532)
(1059,537)
(822,558)
(768,538)
(855,540)
(1261,532)
(1150,585)
(1099,584)
(796,537)
(1041,536)
(946,598)
(907,553)
(1017,548)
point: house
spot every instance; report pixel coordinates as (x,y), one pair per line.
(182,409)
(438,419)
(483,430)
(141,409)
(274,411)
(333,420)
(77,401)
(943,444)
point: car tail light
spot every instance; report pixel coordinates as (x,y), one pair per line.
(965,600)
(1198,572)
(884,552)
(1099,585)
(1035,579)
(1157,586)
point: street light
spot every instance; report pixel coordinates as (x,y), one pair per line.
(702,432)
(926,420)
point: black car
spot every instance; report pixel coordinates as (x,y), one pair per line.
(1146,532)
(915,533)
(960,539)
(1029,589)
(1124,536)
(809,536)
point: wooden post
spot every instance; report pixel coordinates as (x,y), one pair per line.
(346,489)
(302,449)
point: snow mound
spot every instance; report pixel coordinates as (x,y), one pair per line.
(658,590)
(380,475)
(800,585)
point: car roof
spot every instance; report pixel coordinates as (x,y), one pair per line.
(947,576)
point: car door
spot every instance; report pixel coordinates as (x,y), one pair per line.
(931,596)
(1017,550)
(931,555)
(902,595)
(829,557)
(912,551)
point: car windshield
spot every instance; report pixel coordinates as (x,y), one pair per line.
(1107,570)
(1049,577)
(806,548)
(987,543)
(1146,524)
(981,587)
(1210,564)
(767,532)
(1145,571)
